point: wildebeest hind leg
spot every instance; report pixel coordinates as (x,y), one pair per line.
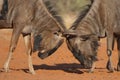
(110,40)
(27,39)
(14,40)
(118,46)
(92,68)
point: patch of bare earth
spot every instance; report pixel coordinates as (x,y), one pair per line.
(59,66)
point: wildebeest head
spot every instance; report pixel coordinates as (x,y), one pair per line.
(48,37)
(47,43)
(83,47)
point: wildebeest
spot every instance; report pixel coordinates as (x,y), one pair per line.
(36,17)
(98,20)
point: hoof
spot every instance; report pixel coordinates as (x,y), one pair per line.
(90,71)
(32,73)
(6,67)
(118,67)
(109,67)
(6,70)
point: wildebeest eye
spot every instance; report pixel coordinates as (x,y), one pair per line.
(56,33)
(84,38)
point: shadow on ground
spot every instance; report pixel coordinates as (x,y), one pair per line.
(70,68)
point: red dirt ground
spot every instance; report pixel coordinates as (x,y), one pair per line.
(59,66)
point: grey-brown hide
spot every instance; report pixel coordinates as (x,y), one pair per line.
(3,8)
(33,17)
(1,4)
(98,20)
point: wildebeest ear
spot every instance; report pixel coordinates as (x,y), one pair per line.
(36,44)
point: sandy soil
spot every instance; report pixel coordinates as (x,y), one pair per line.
(59,66)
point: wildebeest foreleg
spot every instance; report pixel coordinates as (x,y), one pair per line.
(92,68)
(118,46)
(110,40)
(27,39)
(15,36)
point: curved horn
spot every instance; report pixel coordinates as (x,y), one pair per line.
(70,32)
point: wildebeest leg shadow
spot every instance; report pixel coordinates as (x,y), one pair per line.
(70,68)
